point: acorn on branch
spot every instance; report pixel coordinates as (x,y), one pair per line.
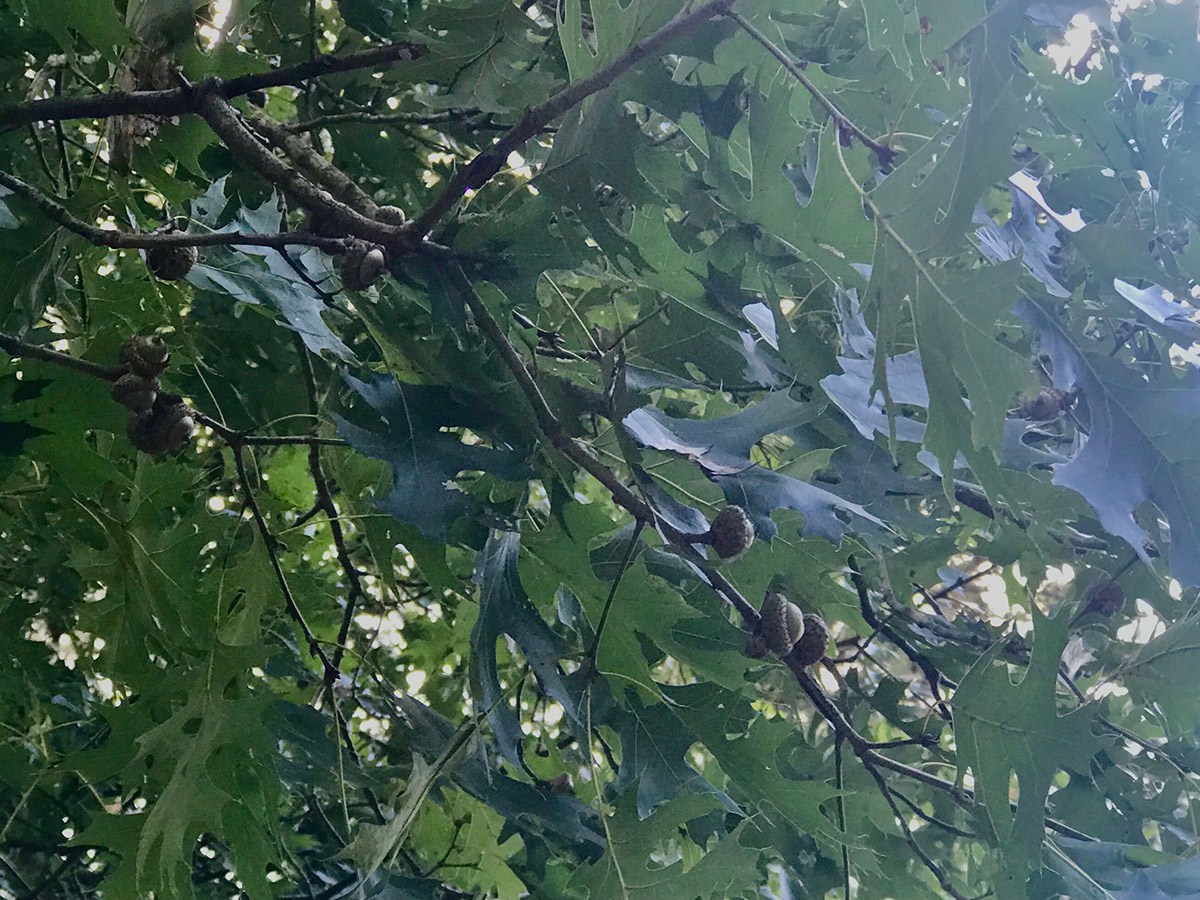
(171,262)
(135,392)
(145,356)
(781,623)
(730,534)
(361,265)
(814,641)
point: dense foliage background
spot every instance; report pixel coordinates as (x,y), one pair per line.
(422,608)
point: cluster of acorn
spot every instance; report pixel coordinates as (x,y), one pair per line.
(158,422)
(783,629)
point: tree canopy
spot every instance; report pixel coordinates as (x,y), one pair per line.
(707,449)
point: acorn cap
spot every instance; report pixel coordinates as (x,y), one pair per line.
(145,356)
(811,647)
(171,263)
(781,623)
(731,533)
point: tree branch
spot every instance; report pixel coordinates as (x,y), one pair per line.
(314,166)
(228,124)
(123,240)
(179,101)
(488,162)
(436,117)
(14,346)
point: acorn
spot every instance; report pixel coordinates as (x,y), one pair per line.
(731,532)
(145,356)
(781,623)
(135,392)
(391,215)
(172,262)
(810,649)
(361,266)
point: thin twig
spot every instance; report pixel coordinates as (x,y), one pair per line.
(885,155)
(124,240)
(354,588)
(547,422)
(840,784)
(928,669)
(488,162)
(14,346)
(179,101)
(942,878)
(934,820)
(962,581)
(594,650)
(272,547)
(393,118)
